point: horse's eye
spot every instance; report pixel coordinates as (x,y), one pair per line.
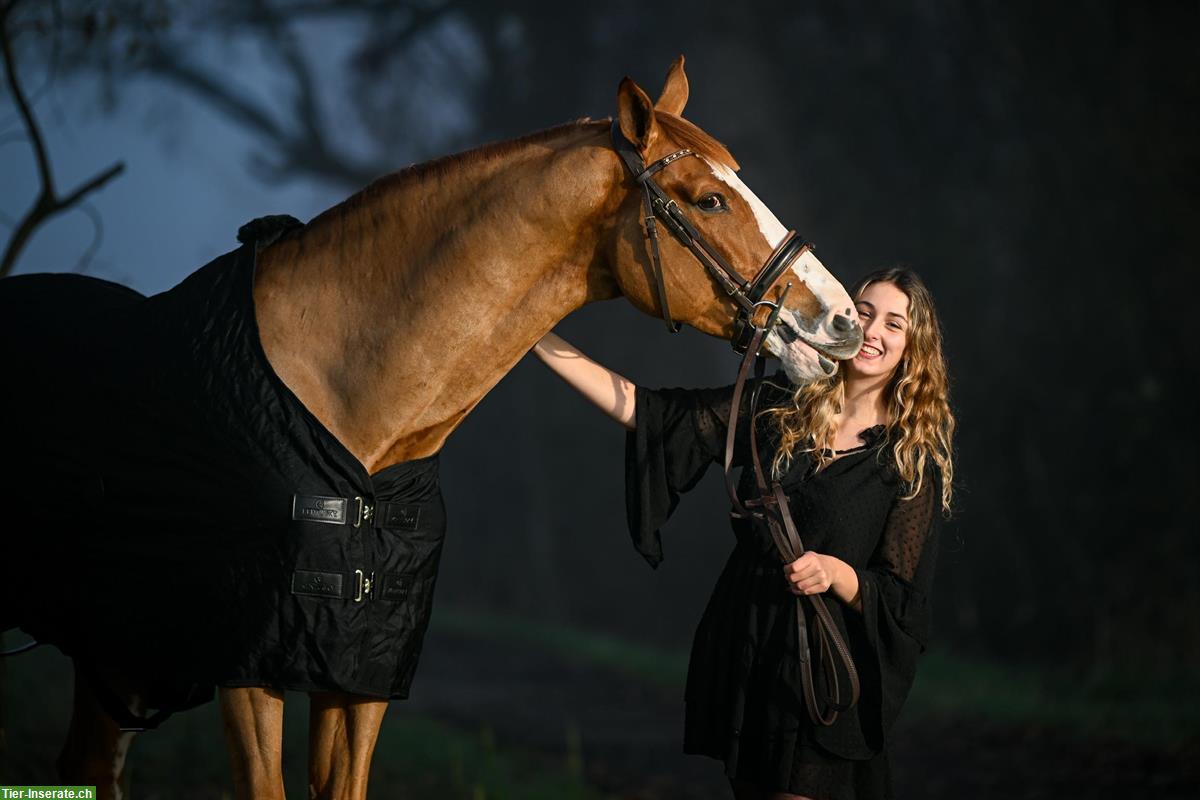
(712,202)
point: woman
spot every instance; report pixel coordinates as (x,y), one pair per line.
(865,459)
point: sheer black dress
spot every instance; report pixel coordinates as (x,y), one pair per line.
(744,703)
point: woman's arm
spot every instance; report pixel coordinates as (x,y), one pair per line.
(611,393)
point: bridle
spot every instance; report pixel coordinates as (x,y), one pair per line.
(771,506)
(657,206)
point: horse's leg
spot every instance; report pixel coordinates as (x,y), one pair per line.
(342,730)
(95,749)
(253,722)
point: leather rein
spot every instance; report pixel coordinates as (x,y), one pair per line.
(771,505)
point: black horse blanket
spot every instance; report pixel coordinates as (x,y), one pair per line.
(172,510)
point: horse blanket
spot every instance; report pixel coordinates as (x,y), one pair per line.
(172,509)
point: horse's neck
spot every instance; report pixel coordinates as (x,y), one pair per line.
(394,313)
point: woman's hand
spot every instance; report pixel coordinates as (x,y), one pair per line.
(811,573)
(815,573)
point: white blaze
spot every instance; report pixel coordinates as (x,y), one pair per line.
(772,229)
(808,268)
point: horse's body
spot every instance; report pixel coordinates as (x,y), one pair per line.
(390,316)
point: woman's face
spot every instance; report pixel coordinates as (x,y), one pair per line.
(883,312)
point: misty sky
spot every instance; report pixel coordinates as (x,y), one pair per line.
(188,183)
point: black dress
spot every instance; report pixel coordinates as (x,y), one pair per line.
(744,703)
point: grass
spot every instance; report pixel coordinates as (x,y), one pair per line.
(1154,709)
(417,758)
(424,759)
(435,761)
(654,665)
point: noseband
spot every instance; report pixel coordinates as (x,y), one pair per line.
(747,294)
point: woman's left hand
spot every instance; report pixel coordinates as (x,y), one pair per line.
(811,573)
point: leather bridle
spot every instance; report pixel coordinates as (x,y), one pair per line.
(771,506)
(658,206)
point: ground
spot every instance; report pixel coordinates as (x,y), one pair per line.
(506,709)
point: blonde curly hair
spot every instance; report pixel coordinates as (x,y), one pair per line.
(920,426)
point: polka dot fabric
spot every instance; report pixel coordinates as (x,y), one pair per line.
(908,526)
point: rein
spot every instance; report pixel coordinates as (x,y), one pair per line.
(771,506)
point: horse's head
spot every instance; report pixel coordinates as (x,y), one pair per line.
(698,198)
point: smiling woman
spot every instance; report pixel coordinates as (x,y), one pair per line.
(864,458)
(901,367)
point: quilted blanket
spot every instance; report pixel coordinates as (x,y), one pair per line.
(173,510)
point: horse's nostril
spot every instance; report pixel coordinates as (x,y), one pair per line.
(786,332)
(842,323)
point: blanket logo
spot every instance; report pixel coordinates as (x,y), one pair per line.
(317,584)
(312,508)
(403,517)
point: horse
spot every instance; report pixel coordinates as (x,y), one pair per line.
(387,319)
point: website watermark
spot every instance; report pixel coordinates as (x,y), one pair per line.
(47,792)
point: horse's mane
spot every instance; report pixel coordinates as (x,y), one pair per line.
(680,130)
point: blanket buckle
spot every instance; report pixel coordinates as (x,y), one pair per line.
(364,585)
(365,511)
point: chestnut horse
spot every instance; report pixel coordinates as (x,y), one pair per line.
(392,314)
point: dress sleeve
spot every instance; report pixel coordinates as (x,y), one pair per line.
(894,589)
(678,434)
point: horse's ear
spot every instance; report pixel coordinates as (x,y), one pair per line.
(675,91)
(636,116)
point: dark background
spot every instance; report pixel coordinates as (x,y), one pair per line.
(1035,162)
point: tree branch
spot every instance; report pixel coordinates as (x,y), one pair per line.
(306,109)
(300,151)
(91,185)
(85,260)
(47,203)
(10,71)
(163,63)
(302,144)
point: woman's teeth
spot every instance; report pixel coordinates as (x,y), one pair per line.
(868,351)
